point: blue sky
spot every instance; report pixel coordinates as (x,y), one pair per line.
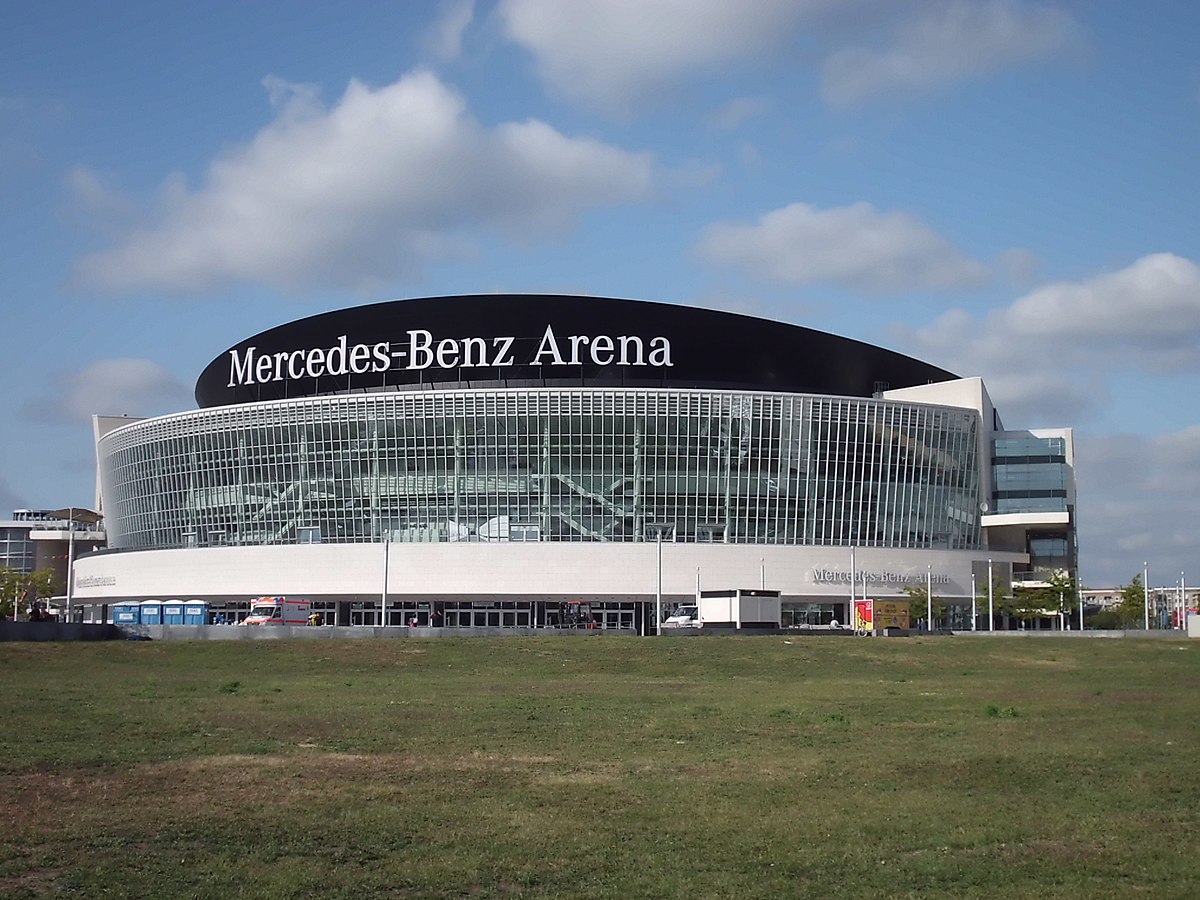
(1001,187)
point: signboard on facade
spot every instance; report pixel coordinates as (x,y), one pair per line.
(892,614)
(519,340)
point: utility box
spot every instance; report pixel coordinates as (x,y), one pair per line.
(740,609)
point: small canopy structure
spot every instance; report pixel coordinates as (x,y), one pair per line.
(77,514)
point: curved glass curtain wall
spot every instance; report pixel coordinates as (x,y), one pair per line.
(553,465)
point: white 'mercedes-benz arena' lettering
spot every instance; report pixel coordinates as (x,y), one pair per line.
(253,367)
(453,353)
(422,350)
(626,350)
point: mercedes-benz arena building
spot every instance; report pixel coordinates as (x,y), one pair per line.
(488,460)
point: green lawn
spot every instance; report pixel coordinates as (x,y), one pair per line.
(599,766)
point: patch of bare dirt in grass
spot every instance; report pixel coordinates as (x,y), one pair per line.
(36,798)
(152,795)
(1052,852)
(1043,662)
(593,775)
(36,883)
(517,759)
(1128,697)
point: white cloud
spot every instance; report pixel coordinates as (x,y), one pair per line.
(1022,267)
(444,39)
(617,54)
(374,187)
(857,246)
(622,56)
(1061,341)
(1153,304)
(737,112)
(947,42)
(135,387)
(96,203)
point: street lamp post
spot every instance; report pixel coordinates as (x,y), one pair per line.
(991,599)
(973,593)
(383,596)
(929,597)
(658,589)
(70,558)
(850,608)
(1146,594)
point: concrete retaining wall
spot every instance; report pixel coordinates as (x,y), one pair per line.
(59,631)
(324,633)
(1136,633)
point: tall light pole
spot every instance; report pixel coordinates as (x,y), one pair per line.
(991,598)
(658,590)
(1146,594)
(383,595)
(850,608)
(929,597)
(70,558)
(973,593)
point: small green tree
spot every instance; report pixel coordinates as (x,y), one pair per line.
(10,591)
(1054,596)
(1132,608)
(918,605)
(1026,603)
(1063,592)
(1001,597)
(17,588)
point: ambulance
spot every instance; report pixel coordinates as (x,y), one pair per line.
(278,611)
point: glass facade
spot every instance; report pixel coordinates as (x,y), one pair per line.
(1030,474)
(1033,475)
(582,464)
(16,549)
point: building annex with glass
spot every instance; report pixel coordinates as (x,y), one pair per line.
(490,460)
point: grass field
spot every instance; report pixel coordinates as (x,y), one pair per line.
(601,767)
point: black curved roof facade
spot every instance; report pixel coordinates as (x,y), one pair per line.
(520,340)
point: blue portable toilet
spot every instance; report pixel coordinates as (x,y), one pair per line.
(172,612)
(127,613)
(151,612)
(195,612)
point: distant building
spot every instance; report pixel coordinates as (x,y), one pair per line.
(1166,604)
(37,539)
(17,550)
(1101,598)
